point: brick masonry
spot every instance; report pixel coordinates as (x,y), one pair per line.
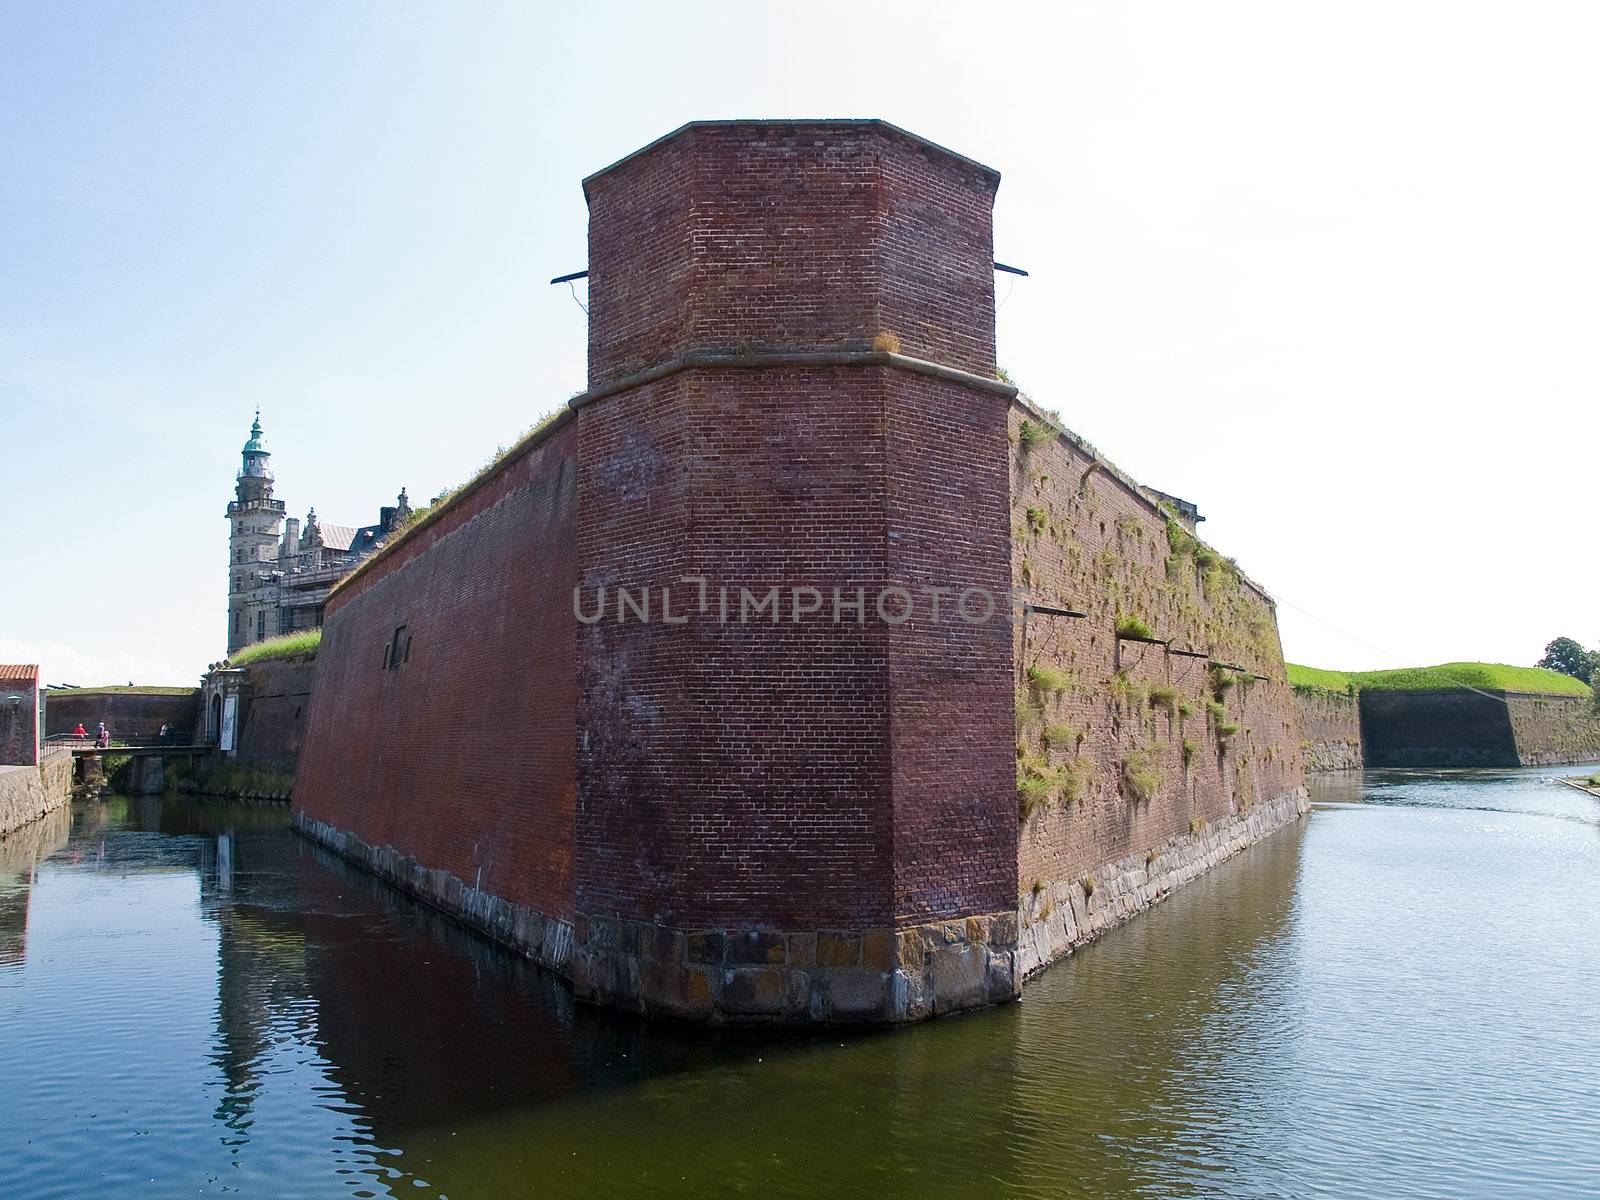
(274,706)
(19,715)
(1330,730)
(798,819)
(129,715)
(1153,744)
(1554,729)
(1456,727)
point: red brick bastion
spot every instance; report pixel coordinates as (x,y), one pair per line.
(745,774)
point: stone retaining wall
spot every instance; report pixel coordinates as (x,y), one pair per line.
(1059,918)
(28,793)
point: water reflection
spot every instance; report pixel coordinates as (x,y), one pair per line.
(194,1000)
(20,856)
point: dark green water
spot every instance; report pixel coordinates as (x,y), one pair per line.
(1400,998)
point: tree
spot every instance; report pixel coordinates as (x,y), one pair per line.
(1566,656)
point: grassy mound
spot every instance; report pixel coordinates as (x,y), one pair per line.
(134,690)
(283,646)
(1489,676)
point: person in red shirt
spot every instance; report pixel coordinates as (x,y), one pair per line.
(80,731)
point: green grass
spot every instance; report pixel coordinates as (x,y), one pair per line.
(1134,627)
(1033,434)
(1037,783)
(135,690)
(1059,737)
(1049,680)
(1489,676)
(231,781)
(1162,696)
(1142,775)
(421,517)
(284,646)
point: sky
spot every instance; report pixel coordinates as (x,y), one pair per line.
(1330,271)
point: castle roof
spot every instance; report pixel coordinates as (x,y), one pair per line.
(356,539)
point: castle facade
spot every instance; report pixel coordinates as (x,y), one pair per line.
(280,573)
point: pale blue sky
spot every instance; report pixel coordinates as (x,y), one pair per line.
(1330,271)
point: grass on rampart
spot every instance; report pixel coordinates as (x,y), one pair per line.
(134,690)
(286,645)
(422,517)
(1489,676)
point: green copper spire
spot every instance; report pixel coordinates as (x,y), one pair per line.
(255,445)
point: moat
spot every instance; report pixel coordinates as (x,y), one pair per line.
(1397,997)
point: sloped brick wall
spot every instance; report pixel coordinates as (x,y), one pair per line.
(275,708)
(1554,729)
(462,757)
(1330,730)
(1086,539)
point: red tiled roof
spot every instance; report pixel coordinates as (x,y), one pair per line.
(19,673)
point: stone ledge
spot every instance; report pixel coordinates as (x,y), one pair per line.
(793,360)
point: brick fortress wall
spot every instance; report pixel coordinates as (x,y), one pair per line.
(1458,727)
(1137,759)
(797,816)
(1330,730)
(128,715)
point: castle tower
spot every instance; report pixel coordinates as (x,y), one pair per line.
(792,393)
(255,524)
(777,797)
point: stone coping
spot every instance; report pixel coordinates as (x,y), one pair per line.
(793,360)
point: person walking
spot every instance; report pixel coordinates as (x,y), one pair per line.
(80,731)
(102,738)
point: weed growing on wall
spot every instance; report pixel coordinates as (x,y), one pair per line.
(1141,775)
(1134,627)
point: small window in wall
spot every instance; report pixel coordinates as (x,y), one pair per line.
(261,624)
(398,650)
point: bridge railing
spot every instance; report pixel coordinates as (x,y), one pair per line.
(66,741)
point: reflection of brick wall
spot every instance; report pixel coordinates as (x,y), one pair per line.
(1330,730)
(128,715)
